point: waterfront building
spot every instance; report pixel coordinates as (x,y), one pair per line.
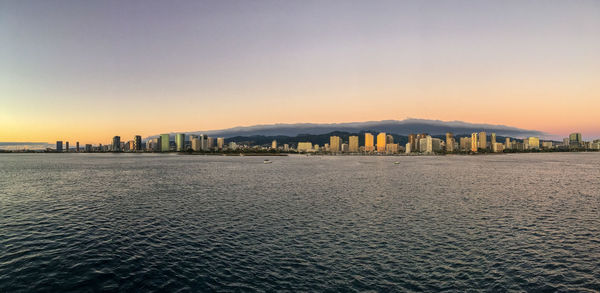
(507,143)
(497,147)
(274,144)
(88,148)
(116,144)
(417,146)
(196,143)
(408,147)
(534,142)
(353,144)
(180,142)
(369,142)
(335,144)
(153,144)
(391,148)
(77,147)
(233,146)
(547,145)
(436,144)
(449,142)
(474,143)
(59,146)
(482,140)
(316,148)
(305,146)
(286,147)
(412,139)
(165,143)
(426,145)
(381,142)
(493,139)
(210,142)
(137,143)
(130,146)
(202,142)
(464,143)
(575,139)
(67,146)
(220,142)
(345,148)
(525,144)
(566,142)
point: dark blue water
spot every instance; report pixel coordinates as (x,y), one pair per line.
(102,222)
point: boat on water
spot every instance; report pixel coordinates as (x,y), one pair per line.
(267,162)
(396,163)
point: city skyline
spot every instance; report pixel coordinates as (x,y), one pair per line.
(79,71)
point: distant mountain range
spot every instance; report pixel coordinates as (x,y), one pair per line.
(399,127)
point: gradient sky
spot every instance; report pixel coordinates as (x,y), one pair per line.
(89,70)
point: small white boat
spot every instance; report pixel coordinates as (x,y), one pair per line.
(267,162)
(396,163)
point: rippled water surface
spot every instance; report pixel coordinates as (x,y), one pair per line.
(91,222)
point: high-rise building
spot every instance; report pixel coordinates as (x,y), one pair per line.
(483,140)
(534,142)
(493,139)
(59,146)
(165,142)
(274,144)
(418,141)
(210,143)
(353,144)
(220,142)
(286,147)
(507,143)
(180,142)
(474,141)
(436,144)
(389,139)
(196,143)
(426,144)
(412,139)
(369,142)
(88,148)
(335,143)
(566,142)
(203,142)
(381,142)
(575,139)
(77,147)
(67,146)
(408,148)
(465,144)
(153,144)
(449,142)
(137,143)
(116,144)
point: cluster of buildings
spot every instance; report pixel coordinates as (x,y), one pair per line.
(423,143)
(382,143)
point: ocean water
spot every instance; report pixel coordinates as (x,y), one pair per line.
(176,223)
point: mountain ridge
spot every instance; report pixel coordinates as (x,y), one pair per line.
(400,127)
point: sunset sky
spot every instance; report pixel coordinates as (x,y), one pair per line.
(88,70)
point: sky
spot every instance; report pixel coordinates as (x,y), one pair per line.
(89,70)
